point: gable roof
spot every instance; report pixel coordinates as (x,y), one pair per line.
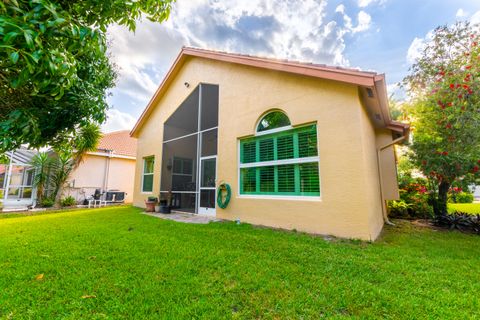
(371,80)
(119,142)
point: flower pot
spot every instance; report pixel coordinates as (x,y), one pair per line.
(157,208)
(150,206)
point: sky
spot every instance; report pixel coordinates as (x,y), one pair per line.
(373,35)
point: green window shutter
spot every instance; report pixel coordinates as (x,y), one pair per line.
(309,180)
(307,143)
(249,152)
(267,179)
(248,180)
(266,151)
(286,178)
(285,147)
(300,179)
(147,183)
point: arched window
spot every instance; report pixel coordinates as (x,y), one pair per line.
(280,160)
(273,120)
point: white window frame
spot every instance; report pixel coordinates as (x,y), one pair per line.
(314,159)
(145,174)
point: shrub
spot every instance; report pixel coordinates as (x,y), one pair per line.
(152,199)
(47,202)
(398,208)
(68,201)
(460,221)
(461,197)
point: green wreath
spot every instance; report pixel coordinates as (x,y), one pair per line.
(221,201)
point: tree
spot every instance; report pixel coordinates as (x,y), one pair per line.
(445,87)
(54,71)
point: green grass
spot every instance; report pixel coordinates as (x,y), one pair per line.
(141,267)
(472,208)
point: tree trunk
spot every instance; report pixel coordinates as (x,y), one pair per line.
(440,208)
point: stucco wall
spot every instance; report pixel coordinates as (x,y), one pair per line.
(349,204)
(90,175)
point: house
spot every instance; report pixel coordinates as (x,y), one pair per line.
(302,146)
(16,180)
(110,167)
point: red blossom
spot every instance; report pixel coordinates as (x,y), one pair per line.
(468,67)
(425,162)
(445,153)
(475,169)
(448,126)
(452,86)
(466,86)
(449,104)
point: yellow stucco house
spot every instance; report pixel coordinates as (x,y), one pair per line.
(302,146)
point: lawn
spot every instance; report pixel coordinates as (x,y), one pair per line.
(117,263)
(472,208)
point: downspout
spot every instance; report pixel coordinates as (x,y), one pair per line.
(380,178)
(107,171)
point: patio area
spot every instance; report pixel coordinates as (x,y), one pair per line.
(184,217)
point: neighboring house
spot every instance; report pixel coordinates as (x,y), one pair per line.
(16,180)
(303,146)
(111,167)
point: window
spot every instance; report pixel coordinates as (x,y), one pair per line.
(281,163)
(147,181)
(273,120)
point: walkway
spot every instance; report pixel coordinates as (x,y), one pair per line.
(184,217)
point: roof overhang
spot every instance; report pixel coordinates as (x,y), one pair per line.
(372,86)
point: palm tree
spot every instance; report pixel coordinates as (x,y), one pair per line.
(42,163)
(87,140)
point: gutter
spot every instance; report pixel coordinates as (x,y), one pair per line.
(380,177)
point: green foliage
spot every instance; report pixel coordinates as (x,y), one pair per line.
(460,197)
(460,221)
(446,113)
(68,201)
(47,202)
(54,68)
(42,163)
(398,208)
(414,196)
(260,273)
(60,170)
(4,158)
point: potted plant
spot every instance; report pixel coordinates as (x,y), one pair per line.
(150,204)
(165,204)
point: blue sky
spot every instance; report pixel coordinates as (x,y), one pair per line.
(380,35)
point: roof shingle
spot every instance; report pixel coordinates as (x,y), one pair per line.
(119,142)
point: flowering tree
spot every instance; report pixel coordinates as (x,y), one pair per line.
(445,85)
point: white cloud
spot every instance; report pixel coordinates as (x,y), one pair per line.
(366,3)
(461,13)
(415,50)
(475,18)
(273,28)
(117,120)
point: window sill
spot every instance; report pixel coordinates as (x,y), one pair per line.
(288,198)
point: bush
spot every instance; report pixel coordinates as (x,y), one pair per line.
(68,201)
(460,221)
(461,197)
(47,202)
(398,208)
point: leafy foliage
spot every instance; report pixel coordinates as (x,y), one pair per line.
(42,164)
(54,71)
(414,196)
(446,112)
(68,201)
(47,202)
(459,221)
